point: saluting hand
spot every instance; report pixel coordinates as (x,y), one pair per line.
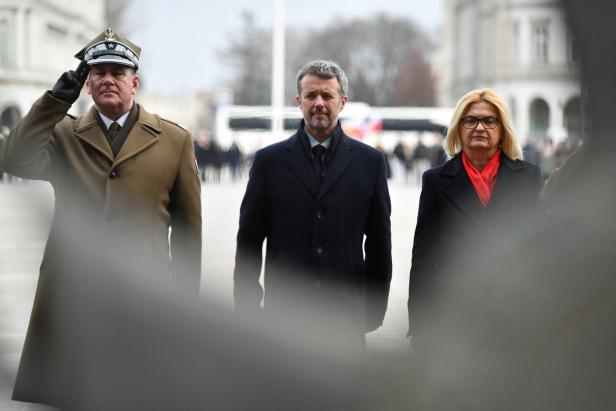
(69,85)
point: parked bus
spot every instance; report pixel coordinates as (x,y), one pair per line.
(251,126)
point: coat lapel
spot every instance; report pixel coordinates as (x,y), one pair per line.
(460,190)
(88,130)
(299,164)
(144,133)
(340,161)
(508,183)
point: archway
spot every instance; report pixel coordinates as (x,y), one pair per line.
(539,119)
(9,117)
(572,120)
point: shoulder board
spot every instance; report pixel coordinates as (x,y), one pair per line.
(174,123)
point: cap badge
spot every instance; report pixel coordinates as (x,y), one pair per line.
(109,34)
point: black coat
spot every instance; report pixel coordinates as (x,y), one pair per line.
(315,259)
(455,234)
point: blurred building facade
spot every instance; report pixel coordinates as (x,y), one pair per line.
(522,49)
(38,39)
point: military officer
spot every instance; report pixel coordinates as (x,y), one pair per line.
(127,204)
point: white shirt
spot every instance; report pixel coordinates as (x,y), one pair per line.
(108,121)
(314,142)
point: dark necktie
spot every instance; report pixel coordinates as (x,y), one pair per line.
(114,129)
(318,152)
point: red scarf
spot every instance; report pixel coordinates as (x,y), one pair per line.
(484,181)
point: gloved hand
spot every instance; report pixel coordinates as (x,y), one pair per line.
(69,85)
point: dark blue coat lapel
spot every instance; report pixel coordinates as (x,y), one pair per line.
(341,160)
(460,190)
(299,163)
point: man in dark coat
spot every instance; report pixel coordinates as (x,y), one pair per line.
(314,197)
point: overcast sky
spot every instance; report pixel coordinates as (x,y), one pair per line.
(180,38)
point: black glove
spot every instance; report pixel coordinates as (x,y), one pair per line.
(68,87)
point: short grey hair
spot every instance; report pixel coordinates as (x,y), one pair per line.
(324,69)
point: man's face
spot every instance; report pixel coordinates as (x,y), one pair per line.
(112,87)
(321,103)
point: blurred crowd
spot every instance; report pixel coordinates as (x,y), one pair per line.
(547,155)
(215,163)
(409,158)
(407,161)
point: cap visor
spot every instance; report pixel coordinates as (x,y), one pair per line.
(111,60)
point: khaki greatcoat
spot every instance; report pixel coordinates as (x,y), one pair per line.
(136,215)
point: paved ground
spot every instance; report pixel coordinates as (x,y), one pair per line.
(25,214)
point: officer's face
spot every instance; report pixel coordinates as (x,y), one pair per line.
(112,87)
(321,103)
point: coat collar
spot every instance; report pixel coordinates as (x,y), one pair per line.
(144,133)
(460,190)
(298,161)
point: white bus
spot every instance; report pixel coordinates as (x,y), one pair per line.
(250,126)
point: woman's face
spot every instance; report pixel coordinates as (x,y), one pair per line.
(480,129)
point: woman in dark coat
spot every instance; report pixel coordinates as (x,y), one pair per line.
(468,206)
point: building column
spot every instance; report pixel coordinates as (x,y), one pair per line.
(20,37)
(556,131)
(523,118)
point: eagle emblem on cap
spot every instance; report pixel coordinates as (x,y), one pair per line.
(110,47)
(109,34)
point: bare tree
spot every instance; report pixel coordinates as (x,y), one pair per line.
(415,82)
(383,56)
(248,55)
(380,55)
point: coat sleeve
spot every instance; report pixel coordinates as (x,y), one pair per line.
(424,264)
(377,248)
(185,238)
(30,149)
(252,231)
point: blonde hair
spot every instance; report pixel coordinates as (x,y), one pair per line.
(509,141)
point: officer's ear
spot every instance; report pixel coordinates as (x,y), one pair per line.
(134,83)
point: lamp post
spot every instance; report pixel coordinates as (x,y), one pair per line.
(278,58)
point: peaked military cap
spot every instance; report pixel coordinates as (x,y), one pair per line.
(110,47)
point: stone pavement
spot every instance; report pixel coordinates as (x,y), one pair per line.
(25,213)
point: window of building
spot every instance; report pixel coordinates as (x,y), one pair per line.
(513,109)
(539,119)
(573,53)
(540,40)
(56,31)
(515,40)
(4,43)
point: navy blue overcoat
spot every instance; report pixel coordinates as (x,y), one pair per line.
(328,247)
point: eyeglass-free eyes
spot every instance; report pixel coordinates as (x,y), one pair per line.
(472,122)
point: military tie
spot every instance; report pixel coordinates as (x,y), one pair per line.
(114,129)
(318,153)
